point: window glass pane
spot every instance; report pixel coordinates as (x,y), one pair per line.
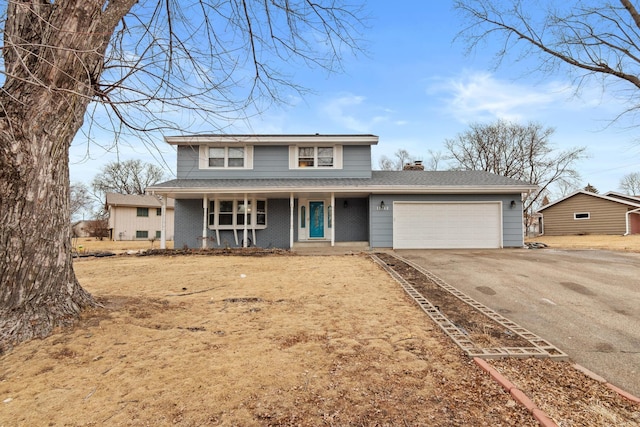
(216,157)
(236,157)
(303,217)
(212,212)
(158,211)
(225,219)
(306,156)
(158,234)
(216,152)
(236,153)
(305,152)
(226,206)
(142,212)
(261,212)
(325,156)
(240,213)
(142,234)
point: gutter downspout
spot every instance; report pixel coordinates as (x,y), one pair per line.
(628,226)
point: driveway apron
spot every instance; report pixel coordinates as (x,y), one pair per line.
(585,302)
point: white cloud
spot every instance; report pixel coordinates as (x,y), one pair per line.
(480,96)
(353,113)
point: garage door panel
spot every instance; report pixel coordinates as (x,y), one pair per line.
(428,225)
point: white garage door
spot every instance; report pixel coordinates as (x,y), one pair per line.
(431,225)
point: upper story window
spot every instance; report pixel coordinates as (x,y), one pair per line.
(318,157)
(142,212)
(226,157)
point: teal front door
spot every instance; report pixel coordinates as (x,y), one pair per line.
(316,220)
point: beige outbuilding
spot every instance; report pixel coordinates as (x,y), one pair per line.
(584,212)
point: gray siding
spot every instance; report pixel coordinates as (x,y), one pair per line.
(273,162)
(352,222)
(188,224)
(382,220)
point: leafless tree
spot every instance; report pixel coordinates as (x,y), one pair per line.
(630,184)
(125,64)
(127,177)
(522,152)
(436,158)
(80,199)
(402,157)
(588,38)
(386,164)
(98,228)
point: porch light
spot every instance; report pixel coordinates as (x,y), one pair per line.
(382,206)
(513,204)
(345,204)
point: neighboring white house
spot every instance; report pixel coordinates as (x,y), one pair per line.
(138,217)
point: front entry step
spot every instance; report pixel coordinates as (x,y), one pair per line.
(327,244)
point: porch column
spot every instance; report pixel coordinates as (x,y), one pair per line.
(163,223)
(291,222)
(205,210)
(332,210)
(244,230)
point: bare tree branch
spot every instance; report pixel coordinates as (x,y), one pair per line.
(588,38)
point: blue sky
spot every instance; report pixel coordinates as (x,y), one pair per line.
(414,89)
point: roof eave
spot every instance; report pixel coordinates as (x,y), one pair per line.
(500,189)
(363,139)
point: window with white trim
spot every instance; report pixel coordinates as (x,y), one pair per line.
(581,215)
(315,157)
(230,213)
(226,157)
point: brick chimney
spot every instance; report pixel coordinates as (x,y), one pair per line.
(415,166)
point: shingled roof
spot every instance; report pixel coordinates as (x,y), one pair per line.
(380,181)
(136,200)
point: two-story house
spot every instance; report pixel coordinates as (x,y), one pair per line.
(139,217)
(283,191)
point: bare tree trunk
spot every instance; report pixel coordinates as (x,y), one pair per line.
(53,56)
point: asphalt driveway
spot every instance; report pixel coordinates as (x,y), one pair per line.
(586,302)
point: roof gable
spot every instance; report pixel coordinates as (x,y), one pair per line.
(599,196)
(627,197)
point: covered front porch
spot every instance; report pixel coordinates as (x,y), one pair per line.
(297,221)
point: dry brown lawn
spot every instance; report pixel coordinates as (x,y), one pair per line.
(271,340)
(87,244)
(220,340)
(616,243)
